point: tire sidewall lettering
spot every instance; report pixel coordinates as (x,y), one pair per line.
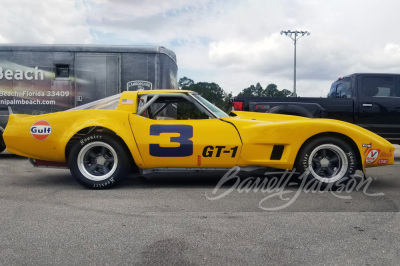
(350,157)
(352,162)
(304,162)
(105,183)
(90,138)
(120,172)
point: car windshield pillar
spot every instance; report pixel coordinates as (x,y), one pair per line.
(209,106)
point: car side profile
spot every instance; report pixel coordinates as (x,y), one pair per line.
(163,130)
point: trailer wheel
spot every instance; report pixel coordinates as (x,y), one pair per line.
(329,161)
(98,161)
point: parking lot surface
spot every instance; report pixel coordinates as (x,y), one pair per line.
(195,219)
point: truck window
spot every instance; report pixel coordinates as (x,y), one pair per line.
(380,87)
(341,89)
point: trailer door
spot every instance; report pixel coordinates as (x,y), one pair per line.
(97,76)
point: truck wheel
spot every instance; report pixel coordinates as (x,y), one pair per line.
(329,161)
(98,161)
(290,110)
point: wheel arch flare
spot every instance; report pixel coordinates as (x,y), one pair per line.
(343,137)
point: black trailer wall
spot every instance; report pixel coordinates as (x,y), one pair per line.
(37,79)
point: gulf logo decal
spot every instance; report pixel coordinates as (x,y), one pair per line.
(41,130)
(372,156)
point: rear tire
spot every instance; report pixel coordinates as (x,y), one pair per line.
(2,144)
(328,161)
(99,161)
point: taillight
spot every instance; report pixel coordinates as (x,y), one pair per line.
(238,106)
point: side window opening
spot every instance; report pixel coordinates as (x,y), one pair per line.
(173,108)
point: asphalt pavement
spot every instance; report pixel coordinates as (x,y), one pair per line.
(397,153)
(49,219)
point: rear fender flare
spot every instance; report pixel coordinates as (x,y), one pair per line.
(131,149)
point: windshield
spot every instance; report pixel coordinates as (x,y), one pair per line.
(218,112)
(106,103)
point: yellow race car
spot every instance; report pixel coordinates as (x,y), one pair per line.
(179,130)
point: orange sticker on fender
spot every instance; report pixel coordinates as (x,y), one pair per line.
(41,130)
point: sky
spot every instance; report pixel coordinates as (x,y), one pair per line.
(234,43)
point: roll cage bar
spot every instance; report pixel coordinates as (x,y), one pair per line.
(186,96)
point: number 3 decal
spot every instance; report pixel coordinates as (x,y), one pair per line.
(186,145)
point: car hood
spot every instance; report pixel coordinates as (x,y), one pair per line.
(266,117)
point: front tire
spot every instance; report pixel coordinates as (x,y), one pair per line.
(328,161)
(98,161)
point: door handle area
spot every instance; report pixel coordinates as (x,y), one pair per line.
(367,105)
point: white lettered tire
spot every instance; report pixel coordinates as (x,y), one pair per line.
(99,161)
(329,161)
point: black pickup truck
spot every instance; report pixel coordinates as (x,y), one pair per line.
(369,100)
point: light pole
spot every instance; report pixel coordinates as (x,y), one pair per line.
(295,35)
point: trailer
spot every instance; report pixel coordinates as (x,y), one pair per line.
(38,79)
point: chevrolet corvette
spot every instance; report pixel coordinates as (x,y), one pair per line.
(165,130)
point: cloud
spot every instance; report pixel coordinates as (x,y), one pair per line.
(243,54)
(165,22)
(235,43)
(45,21)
